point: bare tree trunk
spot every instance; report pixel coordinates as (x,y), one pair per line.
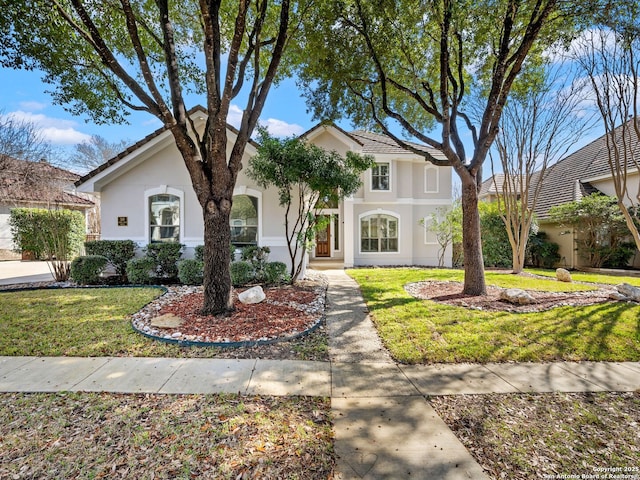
(217,258)
(474,282)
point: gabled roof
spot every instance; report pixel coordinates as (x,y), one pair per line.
(23,181)
(144,142)
(376,143)
(570,179)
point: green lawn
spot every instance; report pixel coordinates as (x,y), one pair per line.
(76,322)
(589,277)
(422,331)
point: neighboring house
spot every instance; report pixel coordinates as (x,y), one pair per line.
(146,196)
(36,185)
(582,173)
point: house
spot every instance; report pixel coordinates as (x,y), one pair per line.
(146,196)
(579,174)
(29,184)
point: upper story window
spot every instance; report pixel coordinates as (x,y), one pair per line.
(244,220)
(164,218)
(380,177)
(378,233)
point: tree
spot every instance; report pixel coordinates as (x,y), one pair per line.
(599,225)
(108,58)
(414,64)
(610,57)
(305,175)
(94,152)
(539,124)
(20,140)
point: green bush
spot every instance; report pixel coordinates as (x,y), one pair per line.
(241,273)
(141,271)
(542,252)
(258,258)
(86,270)
(199,253)
(165,256)
(118,252)
(276,273)
(619,256)
(496,249)
(191,272)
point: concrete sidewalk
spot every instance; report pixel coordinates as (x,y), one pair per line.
(384,426)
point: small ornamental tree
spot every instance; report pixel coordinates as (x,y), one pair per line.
(601,229)
(446,225)
(304,174)
(57,234)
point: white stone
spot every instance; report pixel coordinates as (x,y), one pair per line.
(563,275)
(629,291)
(252,295)
(516,296)
(617,296)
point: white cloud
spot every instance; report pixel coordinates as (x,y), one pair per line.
(33,106)
(235,116)
(55,130)
(278,128)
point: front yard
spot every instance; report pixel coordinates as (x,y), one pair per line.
(424,331)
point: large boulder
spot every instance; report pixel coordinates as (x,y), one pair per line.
(252,295)
(516,296)
(168,320)
(629,291)
(563,275)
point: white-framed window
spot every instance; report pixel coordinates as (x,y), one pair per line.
(164,214)
(379,233)
(381,177)
(431,179)
(244,221)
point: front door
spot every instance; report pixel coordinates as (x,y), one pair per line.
(323,242)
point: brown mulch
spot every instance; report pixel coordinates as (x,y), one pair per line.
(451,294)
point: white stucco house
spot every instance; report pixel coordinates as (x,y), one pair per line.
(146,196)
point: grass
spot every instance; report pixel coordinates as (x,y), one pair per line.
(590,277)
(421,331)
(81,435)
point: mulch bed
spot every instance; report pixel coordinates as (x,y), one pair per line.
(450,293)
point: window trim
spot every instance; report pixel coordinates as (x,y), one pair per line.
(162,190)
(428,168)
(376,190)
(378,212)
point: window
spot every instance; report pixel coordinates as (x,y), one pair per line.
(164,218)
(380,177)
(244,221)
(379,233)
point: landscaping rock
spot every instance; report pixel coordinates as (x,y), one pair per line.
(167,321)
(617,296)
(252,295)
(563,275)
(516,296)
(629,291)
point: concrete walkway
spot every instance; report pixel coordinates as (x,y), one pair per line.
(384,426)
(17,271)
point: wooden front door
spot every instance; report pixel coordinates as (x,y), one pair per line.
(323,242)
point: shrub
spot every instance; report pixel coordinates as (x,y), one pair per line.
(619,256)
(86,270)
(257,257)
(241,273)
(56,235)
(276,273)
(165,256)
(542,252)
(191,272)
(118,252)
(199,253)
(496,249)
(140,271)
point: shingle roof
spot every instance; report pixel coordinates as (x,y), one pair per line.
(24,181)
(373,143)
(567,180)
